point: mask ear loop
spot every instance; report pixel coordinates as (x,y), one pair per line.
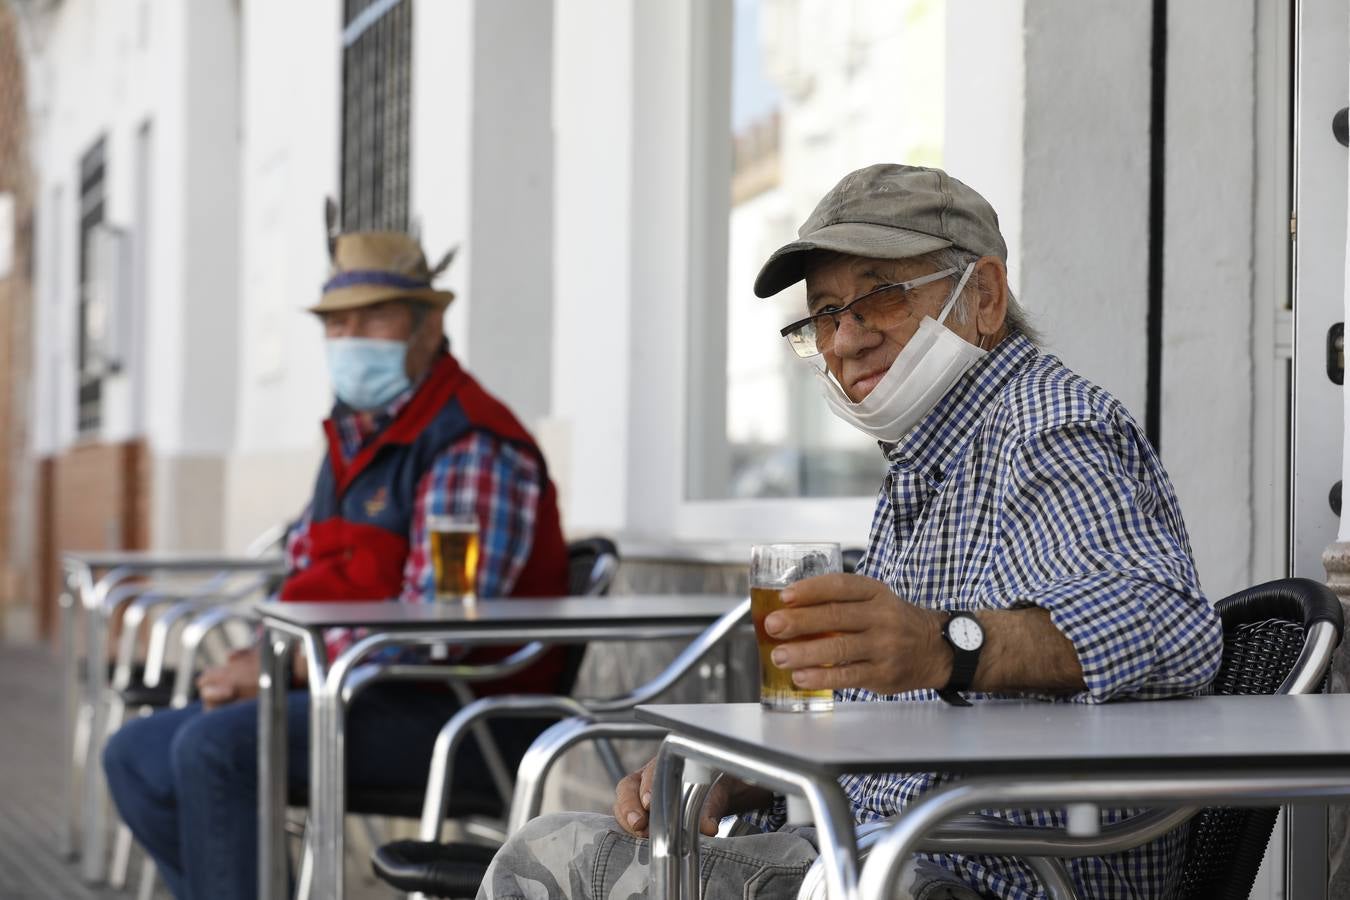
(960,286)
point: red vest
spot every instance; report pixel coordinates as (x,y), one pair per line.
(362,510)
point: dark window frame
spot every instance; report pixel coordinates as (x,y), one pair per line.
(376,114)
(89,399)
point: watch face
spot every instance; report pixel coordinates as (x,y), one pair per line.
(965,633)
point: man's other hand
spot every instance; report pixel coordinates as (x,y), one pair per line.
(633,800)
(850,631)
(237,679)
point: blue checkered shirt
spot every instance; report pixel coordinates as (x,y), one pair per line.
(1029,486)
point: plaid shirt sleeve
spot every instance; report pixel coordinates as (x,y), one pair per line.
(1109,561)
(501,484)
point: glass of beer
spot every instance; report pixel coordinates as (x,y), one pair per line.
(454,556)
(772,568)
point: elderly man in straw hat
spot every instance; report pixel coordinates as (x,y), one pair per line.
(1026,540)
(411,435)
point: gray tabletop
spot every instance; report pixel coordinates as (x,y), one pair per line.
(155,559)
(1028,737)
(654,609)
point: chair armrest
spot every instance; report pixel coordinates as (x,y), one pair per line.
(194,633)
(370,673)
(551,744)
(162,629)
(711,636)
(452,734)
(133,617)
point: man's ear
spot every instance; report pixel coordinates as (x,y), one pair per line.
(991,281)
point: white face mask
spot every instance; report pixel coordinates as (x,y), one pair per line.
(921,375)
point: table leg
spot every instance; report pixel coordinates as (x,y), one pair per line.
(834,830)
(664,822)
(72,736)
(94,844)
(830,811)
(274,676)
(326,777)
(700,783)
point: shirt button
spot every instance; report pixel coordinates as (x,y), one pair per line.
(935,473)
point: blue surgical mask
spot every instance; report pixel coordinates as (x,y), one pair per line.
(367,373)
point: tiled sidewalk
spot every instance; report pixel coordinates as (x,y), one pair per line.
(31,761)
(30,781)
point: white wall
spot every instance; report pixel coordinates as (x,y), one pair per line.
(986,87)
(103,70)
(556,144)
(288,164)
(1208,304)
(1085,187)
(593,97)
(510,291)
(441,161)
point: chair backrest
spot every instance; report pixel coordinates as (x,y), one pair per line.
(1277,639)
(851,557)
(591,566)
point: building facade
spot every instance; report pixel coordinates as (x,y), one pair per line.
(612,192)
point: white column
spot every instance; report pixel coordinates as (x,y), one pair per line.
(482,160)
(1208,345)
(593,250)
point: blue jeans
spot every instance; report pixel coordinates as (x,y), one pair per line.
(186,780)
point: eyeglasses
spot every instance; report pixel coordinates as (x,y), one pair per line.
(878,309)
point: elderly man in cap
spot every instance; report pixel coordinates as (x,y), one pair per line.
(1026,541)
(412,434)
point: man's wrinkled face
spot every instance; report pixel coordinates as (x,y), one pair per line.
(390,321)
(861,353)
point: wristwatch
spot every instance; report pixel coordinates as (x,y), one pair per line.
(966,638)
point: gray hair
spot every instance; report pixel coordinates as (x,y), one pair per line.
(420,310)
(1016,318)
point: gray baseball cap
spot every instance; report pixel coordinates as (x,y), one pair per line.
(888,211)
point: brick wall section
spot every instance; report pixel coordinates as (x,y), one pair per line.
(18,471)
(98,498)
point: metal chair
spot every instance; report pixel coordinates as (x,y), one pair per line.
(455,870)
(1278,638)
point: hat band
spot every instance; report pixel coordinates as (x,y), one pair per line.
(358,277)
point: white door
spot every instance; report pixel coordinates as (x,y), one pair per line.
(1322,47)
(1321,64)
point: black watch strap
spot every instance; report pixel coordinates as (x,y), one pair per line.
(964,664)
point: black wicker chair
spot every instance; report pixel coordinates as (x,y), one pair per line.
(1267,633)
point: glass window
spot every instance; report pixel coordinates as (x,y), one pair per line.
(818,88)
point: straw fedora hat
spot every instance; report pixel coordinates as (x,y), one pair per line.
(371,267)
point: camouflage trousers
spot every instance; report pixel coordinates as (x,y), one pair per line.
(586,856)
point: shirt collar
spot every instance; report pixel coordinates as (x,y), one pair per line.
(941,434)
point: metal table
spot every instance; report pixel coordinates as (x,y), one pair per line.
(90,579)
(388,624)
(1263,750)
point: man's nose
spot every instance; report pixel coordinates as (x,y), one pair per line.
(852,336)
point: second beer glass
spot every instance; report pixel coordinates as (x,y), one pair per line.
(772,568)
